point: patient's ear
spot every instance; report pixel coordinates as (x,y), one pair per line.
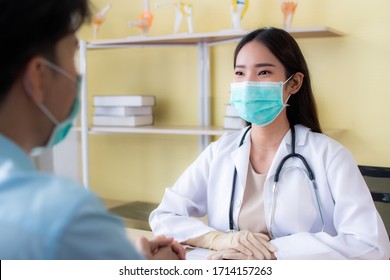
(33,79)
(295,83)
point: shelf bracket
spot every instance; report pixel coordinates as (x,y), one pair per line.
(84,113)
(204,92)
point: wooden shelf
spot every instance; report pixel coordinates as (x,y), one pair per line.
(314,32)
(173,130)
(209,38)
(182,130)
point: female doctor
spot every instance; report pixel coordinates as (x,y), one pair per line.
(279,188)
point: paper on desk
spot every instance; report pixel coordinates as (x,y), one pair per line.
(198,253)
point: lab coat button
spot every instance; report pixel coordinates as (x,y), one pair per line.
(238,203)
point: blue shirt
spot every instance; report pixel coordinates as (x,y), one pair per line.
(43,216)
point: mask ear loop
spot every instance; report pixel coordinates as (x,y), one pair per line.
(42,107)
(288,97)
(285,103)
(289,78)
(58,69)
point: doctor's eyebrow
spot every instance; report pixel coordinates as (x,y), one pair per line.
(258,65)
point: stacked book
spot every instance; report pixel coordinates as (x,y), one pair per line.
(123,110)
(231,119)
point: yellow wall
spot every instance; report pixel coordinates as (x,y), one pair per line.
(350,79)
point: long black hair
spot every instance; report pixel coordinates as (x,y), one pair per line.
(302,109)
(33,27)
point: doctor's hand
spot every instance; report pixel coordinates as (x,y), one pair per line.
(160,248)
(250,245)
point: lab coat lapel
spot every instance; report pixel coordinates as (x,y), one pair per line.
(240,158)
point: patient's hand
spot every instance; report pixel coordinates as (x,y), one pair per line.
(165,253)
(160,248)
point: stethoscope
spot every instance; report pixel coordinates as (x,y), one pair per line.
(276,180)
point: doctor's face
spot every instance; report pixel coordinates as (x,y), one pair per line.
(256,63)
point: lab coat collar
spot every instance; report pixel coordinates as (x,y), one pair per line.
(301,133)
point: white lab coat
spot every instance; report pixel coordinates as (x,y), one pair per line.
(353,227)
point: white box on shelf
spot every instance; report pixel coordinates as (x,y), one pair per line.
(124,100)
(122,120)
(233,123)
(123,110)
(231,111)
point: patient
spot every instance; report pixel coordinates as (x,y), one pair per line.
(43,216)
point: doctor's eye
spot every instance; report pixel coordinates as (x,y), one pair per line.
(264,72)
(239,73)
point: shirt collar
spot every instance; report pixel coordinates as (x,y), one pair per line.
(12,157)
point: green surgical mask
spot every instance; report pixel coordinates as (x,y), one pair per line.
(61,129)
(258,102)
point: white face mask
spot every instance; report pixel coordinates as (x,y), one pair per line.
(61,129)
